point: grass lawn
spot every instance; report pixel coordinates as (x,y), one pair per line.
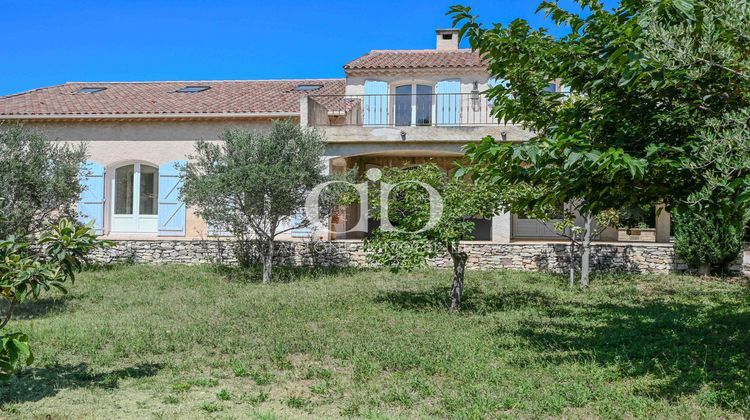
(172,341)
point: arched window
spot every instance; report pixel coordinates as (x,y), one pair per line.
(135,192)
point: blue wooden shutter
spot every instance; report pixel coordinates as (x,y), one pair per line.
(498,82)
(305,232)
(448,104)
(218,230)
(91,204)
(171,208)
(376,102)
(214,230)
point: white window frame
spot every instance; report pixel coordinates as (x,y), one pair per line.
(135,222)
(414,84)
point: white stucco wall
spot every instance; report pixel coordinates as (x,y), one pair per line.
(355,85)
(117,143)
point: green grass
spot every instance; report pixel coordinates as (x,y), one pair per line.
(138,341)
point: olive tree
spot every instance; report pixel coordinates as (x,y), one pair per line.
(254,184)
(422,227)
(40,180)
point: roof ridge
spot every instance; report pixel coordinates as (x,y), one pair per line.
(187,81)
(461,50)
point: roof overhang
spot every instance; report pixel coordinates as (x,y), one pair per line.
(141,117)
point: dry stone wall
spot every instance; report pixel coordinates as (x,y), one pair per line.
(631,258)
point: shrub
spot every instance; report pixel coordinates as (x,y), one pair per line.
(40,180)
(708,241)
(26,273)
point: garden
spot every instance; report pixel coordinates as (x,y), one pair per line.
(655,116)
(175,341)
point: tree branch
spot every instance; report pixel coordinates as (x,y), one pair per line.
(9,314)
(711,63)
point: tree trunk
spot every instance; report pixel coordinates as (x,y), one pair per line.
(267,261)
(572,264)
(586,254)
(459,268)
(704,269)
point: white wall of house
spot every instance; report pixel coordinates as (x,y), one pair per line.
(355,85)
(114,144)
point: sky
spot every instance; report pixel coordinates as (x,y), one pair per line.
(52,42)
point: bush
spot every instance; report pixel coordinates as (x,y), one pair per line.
(39,178)
(26,273)
(707,241)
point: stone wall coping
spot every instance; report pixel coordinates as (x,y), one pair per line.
(124,238)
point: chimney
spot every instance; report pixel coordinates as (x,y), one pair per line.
(447,39)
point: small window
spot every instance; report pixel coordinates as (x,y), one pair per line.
(308,88)
(193,89)
(90,89)
(551,88)
(447,36)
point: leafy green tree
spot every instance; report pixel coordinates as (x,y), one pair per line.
(39,178)
(634,128)
(254,184)
(413,241)
(24,275)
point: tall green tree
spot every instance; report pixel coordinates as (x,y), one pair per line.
(40,180)
(636,126)
(254,184)
(423,228)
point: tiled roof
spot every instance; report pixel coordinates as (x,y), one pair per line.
(416,59)
(150,98)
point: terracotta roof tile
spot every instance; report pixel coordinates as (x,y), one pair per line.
(416,59)
(134,98)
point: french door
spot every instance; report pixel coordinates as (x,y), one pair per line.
(413,105)
(135,189)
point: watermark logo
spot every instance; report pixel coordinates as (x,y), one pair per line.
(312,203)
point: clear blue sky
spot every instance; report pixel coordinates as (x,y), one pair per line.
(51,42)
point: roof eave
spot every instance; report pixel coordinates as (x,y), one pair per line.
(161,116)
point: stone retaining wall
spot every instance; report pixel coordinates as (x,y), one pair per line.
(632,257)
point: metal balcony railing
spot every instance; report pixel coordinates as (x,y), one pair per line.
(401,110)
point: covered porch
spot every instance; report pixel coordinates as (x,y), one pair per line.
(343,225)
(502,228)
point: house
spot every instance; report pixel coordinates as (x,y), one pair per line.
(393,108)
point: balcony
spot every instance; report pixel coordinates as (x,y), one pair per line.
(400,123)
(401,110)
